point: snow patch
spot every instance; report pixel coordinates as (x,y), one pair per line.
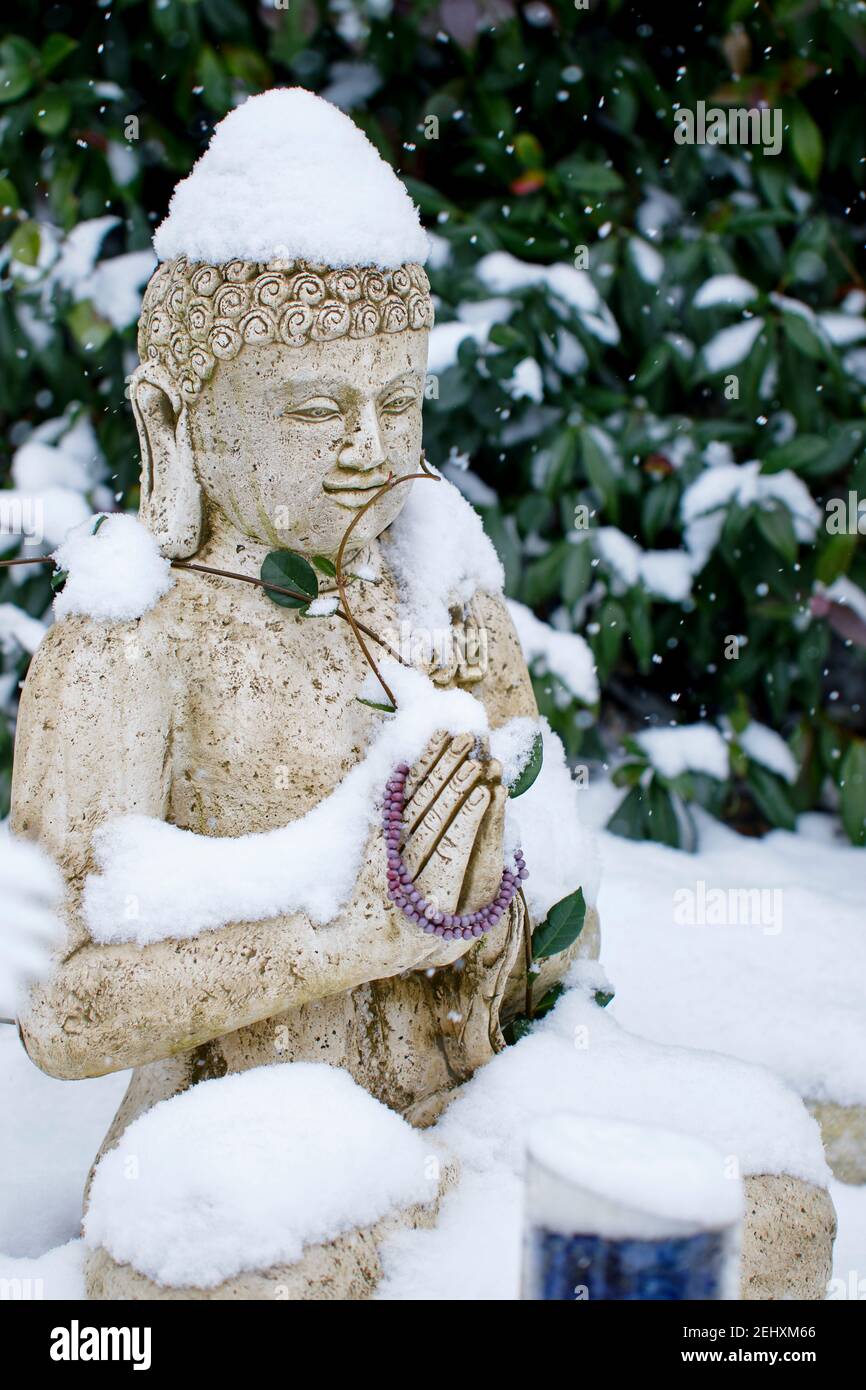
(724,289)
(287,175)
(732,345)
(115,573)
(686,748)
(567,655)
(502,273)
(647,261)
(512,745)
(244,1171)
(440,555)
(768,748)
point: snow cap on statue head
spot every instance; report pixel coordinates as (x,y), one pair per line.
(291,228)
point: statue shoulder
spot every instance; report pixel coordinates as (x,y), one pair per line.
(94,724)
(80,652)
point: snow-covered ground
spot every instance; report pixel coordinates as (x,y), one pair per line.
(692,968)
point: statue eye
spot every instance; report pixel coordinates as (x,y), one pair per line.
(316,411)
(398,404)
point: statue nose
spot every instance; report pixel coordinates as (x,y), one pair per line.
(364,450)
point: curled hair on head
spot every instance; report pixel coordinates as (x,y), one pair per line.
(194,315)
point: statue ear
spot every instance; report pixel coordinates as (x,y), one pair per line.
(171,502)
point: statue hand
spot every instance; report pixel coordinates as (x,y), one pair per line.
(454,822)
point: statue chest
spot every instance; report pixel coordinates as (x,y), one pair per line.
(267,717)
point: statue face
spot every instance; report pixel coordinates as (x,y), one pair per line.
(289,442)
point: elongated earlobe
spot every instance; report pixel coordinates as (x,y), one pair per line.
(171,501)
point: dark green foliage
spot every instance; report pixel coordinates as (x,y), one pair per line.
(286,570)
(561,927)
(531,771)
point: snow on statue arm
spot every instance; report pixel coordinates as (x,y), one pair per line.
(94,743)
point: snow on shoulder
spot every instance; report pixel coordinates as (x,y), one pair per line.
(114,571)
(242,1172)
(440,554)
(288,176)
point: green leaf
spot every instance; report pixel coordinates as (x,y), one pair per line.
(325,566)
(612,629)
(803,336)
(563,925)
(517,1029)
(55,48)
(53,110)
(58,579)
(658,507)
(807,143)
(661,818)
(576,572)
(429,199)
(531,771)
(640,628)
(852,796)
(599,472)
(583,176)
(548,1000)
(771,795)
(88,328)
(560,467)
(24,243)
(777,527)
(798,453)
(214,80)
(628,774)
(9,199)
(290,571)
(835,558)
(375,704)
(602,997)
(18,66)
(543,577)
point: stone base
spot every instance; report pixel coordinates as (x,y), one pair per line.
(347,1268)
(787,1250)
(843,1130)
(788,1238)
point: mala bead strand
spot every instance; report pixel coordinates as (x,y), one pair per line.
(412,903)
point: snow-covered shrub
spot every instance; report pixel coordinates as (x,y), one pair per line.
(648,367)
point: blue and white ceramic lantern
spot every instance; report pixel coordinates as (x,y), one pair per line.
(623,1211)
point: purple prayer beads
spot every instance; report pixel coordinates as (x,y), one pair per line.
(402,891)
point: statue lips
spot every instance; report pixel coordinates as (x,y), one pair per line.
(354,494)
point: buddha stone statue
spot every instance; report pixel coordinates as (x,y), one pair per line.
(280,388)
(273,399)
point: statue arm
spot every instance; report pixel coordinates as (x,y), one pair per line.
(94,741)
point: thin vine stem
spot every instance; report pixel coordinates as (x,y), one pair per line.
(290,593)
(341,585)
(359,630)
(245,579)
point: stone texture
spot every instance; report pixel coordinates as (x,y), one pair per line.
(788,1238)
(843,1130)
